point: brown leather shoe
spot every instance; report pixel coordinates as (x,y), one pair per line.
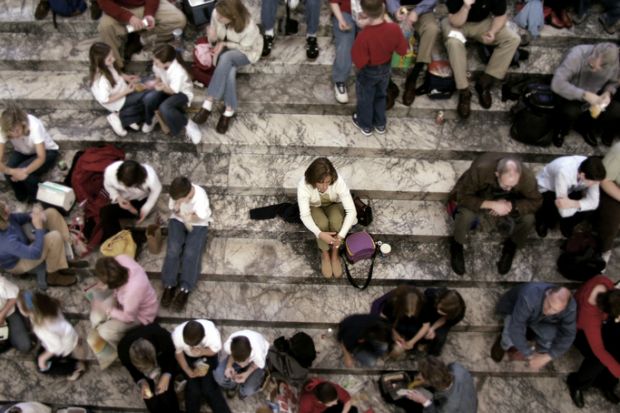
(61,278)
(464,106)
(43,8)
(202,116)
(223,124)
(484,95)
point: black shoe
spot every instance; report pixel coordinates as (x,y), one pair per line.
(577,396)
(590,138)
(457,258)
(464,106)
(42,10)
(484,95)
(132,46)
(312,47)
(610,396)
(497,352)
(558,139)
(267,45)
(180,300)
(167,296)
(607,139)
(95,10)
(223,124)
(508,253)
(541,229)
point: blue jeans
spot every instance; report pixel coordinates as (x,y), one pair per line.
(18,332)
(269,8)
(171,108)
(371,87)
(612,11)
(184,250)
(545,335)
(372,351)
(26,190)
(344,42)
(248,388)
(133,110)
(224,80)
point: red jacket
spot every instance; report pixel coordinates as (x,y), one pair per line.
(117,9)
(308,403)
(590,319)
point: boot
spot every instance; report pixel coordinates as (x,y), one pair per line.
(61,278)
(464,106)
(457,258)
(483,87)
(410,84)
(508,252)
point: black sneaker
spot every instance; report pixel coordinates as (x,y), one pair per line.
(497,352)
(457,257)
(167,296)
(541,229)
(95,10)
(180,300)
(508,253)
(267,45)
(312,47)
(42,10)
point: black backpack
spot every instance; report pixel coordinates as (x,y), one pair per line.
(532,115)
(580,260)
(300,346)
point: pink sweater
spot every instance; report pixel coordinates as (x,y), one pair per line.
(137,300)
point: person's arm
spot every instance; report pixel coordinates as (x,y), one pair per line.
(248,39)
(567,330)
(467,190)
(531,200)
(349,207)
(180,356)
(251,369)
(419,336)
(592,331)
(154,190)
(38,161)
(347,357)
(115,11)
(303,200)
(359,51)
(441,321)
(459,18)
(110,183)
(497,24)
(568,69)
(566,207)
(343,395)
(403,45)
(3,168)
(27,251)
(8,306)
(518,326)
(591,200)
(150,7)
(611,189)
(425,6)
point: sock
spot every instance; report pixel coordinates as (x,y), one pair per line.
(229,113)
(207,105)
(310,35)
(269,32)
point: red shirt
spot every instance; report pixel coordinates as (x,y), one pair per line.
(374,45)
(590,319)
(308,403)
(345,5)
(117,9)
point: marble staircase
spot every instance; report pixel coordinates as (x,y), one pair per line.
(264,274)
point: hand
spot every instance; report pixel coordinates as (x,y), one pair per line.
(343,26)
(162,384)
(430,334)
(131,78)
(412,18)
(229,373)
(151,22)
(501,208)
(18,174)
(469,3)
(329,237)
(37,218)
(592,98)
(488,38)
(42,362)
(564,203)
(136,23)
(145,390)
(2,321)
(218,49)
(417,396)
(241,377)
(538,361)
(129,88)
(159,85)
(123,203)
(348,361)
(605,99)
(211,34)
(141,217)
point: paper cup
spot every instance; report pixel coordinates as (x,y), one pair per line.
(385,249)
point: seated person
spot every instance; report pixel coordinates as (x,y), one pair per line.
(609,19)
(598,302)
(483,21)
(197,343)
(560,18)
(34,152)
(588,76)
(133,189)
(607,216)
(444,309)
(505,188)
(320,396)
(187,239)
(147,353)
(570,187)
(46,255)
(544,311)
(364,338)
(18,330)
(453,387)
(243,369)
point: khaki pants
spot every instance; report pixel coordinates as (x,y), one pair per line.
(506,42)
(428,29)
(328,218)
(167,18)
(111,330)
(524,224)
(53,246)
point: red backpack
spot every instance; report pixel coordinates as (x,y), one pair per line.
(203,67)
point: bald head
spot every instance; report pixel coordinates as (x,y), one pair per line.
(556,300)
(508,172)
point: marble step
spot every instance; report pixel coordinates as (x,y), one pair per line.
(320,135)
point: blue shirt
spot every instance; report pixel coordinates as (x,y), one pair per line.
(14,245)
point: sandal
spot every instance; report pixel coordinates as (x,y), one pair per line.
(78,372)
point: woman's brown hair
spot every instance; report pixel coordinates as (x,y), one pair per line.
(320,169)
(97,54)
(236,12)
(407,301)
(450,303)
(14,116)
(110,272)
(435,373)
(41,306)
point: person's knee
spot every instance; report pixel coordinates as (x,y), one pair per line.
(174,249)
(432,30)
(322,222)
(527,220)
(52,238)
(453,45)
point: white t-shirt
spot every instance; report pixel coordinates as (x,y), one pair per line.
(102,90)
(199,205)
(212,338)
(57,336)
(27,144)
(177,79)
(33,407)
(8,291)
(151,187)
(260,346)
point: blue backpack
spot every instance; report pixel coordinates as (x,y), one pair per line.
(66,8)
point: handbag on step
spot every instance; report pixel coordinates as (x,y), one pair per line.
(359,246)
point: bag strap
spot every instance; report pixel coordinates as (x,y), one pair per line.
(348,273)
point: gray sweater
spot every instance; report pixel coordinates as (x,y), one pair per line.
(574,77)
(461,397)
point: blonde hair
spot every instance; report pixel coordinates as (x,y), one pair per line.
(14,116)
(142,355)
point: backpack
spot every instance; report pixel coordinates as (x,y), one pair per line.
(66,8)
(580,260)
(300,346)
(358,246)
(532,115)
(203,65)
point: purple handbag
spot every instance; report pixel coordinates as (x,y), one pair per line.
(359,246)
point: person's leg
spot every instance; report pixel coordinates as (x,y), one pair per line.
(223,381)
(177,236)
(151,100)
(547,215)
(172,110)
(252,384)
(231,61)
(524,224)
(365,358)
(463,221)
(168,400)
(112,330)
(428,29)
(18,332)
(506,44)
(379,118)
(14,160)
(456,52)
(109,217)
(608,123)
(506,341)
(567,112)
(168,17)
(335,216)
(590,367)
(313,12)
(436,345)
(343,43)
(56,222)
(196,240)
(113,33)
(364,87)
(31,184)
(268,11)
(54,252)
(322,221)
(607,221)
(133,110)
(612,11)
(213,394)
(193,395)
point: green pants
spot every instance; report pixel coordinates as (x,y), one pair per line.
(328,218)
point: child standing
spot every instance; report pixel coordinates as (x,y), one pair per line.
(372,54)
(344,24)
(173,92)
(187,237)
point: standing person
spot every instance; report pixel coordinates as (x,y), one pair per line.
(372,55)
(444,308)
(34,152)
(197,343)
(345,28)
(18,331)
(587,77)
(243,368)
(57,336)
(161,16)
(483,21)
(364,338)
(312,9)
(326,208)
(237,43)
(131,299)
(598,302)
(116,91)
(187,238)
(570,189)
(173,94)
(607,216)
(133,189)
(320,396)
(147,353)
(418,15)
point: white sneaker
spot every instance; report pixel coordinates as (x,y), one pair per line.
(146,128)
(135,126)
(115,121)
(193,132)
(340,91)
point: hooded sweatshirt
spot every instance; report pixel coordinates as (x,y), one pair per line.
(308,403)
